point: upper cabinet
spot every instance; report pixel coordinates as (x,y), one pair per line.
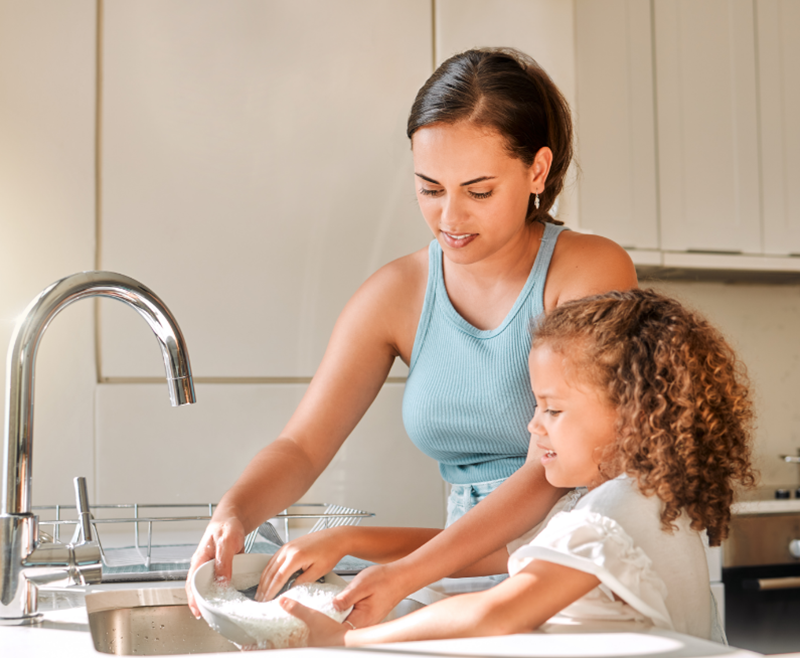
(254,171)
(615,122)
(707,125)
(778,37)
(689,128)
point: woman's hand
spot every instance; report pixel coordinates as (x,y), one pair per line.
(315,553)
(322,630)
(221,541)
(373,594)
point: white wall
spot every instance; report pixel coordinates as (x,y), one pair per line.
(47,209)
(254,219)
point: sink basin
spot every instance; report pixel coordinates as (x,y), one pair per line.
(149,622)
(156,621)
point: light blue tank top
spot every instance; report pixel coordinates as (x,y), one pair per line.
(468,399)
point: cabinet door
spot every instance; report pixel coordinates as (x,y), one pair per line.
(779,100)
(616,122)
(707,126)
(255,171)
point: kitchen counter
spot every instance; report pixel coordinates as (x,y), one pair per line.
(762,501)
(747,507)
(65,634)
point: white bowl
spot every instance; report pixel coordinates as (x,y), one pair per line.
(247,568)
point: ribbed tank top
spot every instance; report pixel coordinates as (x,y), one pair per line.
(468,399)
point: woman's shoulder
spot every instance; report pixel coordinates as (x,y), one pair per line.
(390,301)
(584,264)
(589,245)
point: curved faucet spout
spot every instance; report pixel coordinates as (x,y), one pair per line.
(16,493)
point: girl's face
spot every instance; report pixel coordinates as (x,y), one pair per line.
(572,425)
(472,193)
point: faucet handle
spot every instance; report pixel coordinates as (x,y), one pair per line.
(82,503)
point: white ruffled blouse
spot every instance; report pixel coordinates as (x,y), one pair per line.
(646,574)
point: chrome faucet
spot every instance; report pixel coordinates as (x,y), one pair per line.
(25,561)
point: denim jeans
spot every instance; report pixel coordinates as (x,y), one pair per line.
(463,497)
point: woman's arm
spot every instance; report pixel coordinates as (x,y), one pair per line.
(517,605)
(376,326)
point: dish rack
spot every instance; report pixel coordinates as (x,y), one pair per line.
(140,557)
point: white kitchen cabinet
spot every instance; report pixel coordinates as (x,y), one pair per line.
(707,126)
(689,131)
(255,171)
(778,34)
(615,121)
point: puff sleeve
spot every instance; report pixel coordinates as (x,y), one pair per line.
(593,543)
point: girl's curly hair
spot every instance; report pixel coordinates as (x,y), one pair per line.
(685,415)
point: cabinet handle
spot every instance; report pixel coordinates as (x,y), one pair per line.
(765,584)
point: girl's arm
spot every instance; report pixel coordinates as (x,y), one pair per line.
(517,605)
(515,507)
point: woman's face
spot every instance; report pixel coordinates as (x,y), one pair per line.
(573,424)
(472,193)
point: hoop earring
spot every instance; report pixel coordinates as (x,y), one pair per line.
(536,202)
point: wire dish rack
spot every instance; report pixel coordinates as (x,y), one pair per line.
(131,549)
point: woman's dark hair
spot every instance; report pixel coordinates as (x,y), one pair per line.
(503,89)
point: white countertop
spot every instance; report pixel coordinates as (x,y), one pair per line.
(790,506)
(65,634)
(762,501)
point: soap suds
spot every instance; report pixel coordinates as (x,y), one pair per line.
(267,622)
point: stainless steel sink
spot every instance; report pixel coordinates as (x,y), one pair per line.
(149,622)
(156,621)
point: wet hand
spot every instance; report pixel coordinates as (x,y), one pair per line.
(322,630)
(315,554)
(221,541)
(373,594)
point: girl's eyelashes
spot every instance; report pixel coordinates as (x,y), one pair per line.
(426,192)
(552,412)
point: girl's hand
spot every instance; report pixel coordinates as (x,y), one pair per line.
(322,630)
(221,541)
(315,553)
(373,593)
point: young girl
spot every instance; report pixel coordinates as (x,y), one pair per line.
(643,409)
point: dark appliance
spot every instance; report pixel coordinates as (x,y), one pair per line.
(761,574)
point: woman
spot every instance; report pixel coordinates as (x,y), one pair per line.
(491,137)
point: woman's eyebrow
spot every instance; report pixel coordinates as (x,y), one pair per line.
(480,179)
